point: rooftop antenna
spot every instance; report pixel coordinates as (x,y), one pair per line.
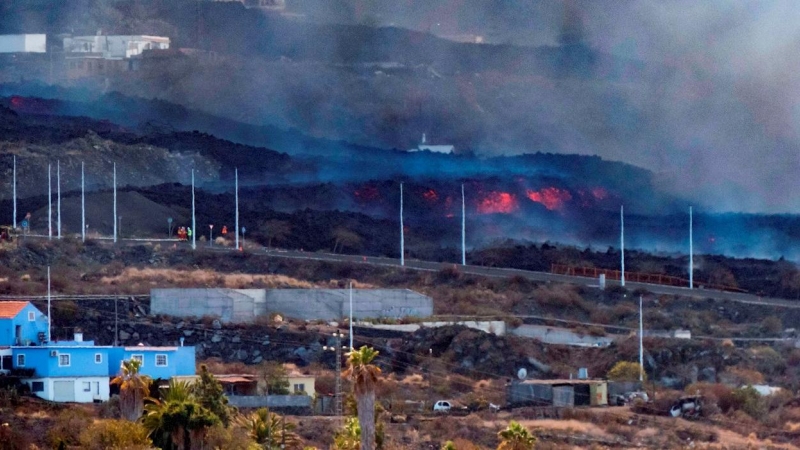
(622,243)
(641,346)
(194,222)
(58,204)
(83,205)
(463,228)
(236,225)
(14,188)
(691,252)
(351,315)
(115,202)
(48,306)
(402,232)
(49,204)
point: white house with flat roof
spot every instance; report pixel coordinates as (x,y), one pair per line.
(112,47)
(424,146)
(23,43)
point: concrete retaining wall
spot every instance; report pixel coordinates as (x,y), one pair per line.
(230,305)
(244,305)
(563,336)
(334,304)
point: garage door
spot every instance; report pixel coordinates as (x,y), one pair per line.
(64,391)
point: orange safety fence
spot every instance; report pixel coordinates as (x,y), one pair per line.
(636,277)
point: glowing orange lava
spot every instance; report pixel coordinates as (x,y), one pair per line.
(367,193)
(430,195)
(498,202)
(599,193)
(552,198)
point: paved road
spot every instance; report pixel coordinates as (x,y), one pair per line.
(492,272)
(497,272)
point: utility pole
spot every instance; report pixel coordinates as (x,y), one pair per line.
(116,323)
(402,231)
(15,191)
(351,316)
(49,204)
(622,243)
(115,202)
(83,205)
(641,346)
(194,222)
(337,335)
(49,315)
(463,228)
(58,204)
(691,252)
(236,197)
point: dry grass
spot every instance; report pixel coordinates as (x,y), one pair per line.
(202,277)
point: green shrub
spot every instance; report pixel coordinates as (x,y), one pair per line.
(67,428)
(116,435)
(749,401)
(626,371)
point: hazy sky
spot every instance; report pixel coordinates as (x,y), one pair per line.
(721,124)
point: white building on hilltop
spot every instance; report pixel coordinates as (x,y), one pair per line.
(23,43)
(424,146)
(112,47)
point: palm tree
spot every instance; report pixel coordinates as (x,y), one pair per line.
(133,388)
(177,420)
(516,437)
(364,377)
(269,429)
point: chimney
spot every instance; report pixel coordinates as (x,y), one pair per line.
(78,336)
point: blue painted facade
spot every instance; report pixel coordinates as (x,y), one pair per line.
(28,331)
(78,371)
(157,362)
(63,360)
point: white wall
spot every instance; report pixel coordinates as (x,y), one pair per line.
(23,43)
(81,396)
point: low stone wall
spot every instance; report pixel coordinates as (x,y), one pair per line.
(281,402)
(497,327)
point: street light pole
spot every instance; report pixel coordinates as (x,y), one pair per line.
(402,231)
(115,202)
(83,204)
(15,191)
(58,204)
(49,204)
(641,346)
(236,196)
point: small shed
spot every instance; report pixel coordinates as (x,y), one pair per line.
(559,393)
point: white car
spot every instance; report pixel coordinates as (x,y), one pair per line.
(442,406)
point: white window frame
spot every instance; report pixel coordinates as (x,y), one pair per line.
(299,387)
(31,316)
(140,357)
(98,358)
(69,359)
(20,359)
(166,360)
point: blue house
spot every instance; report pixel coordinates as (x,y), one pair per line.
(156,362)
(77,370)
(21,324)
(73,371)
